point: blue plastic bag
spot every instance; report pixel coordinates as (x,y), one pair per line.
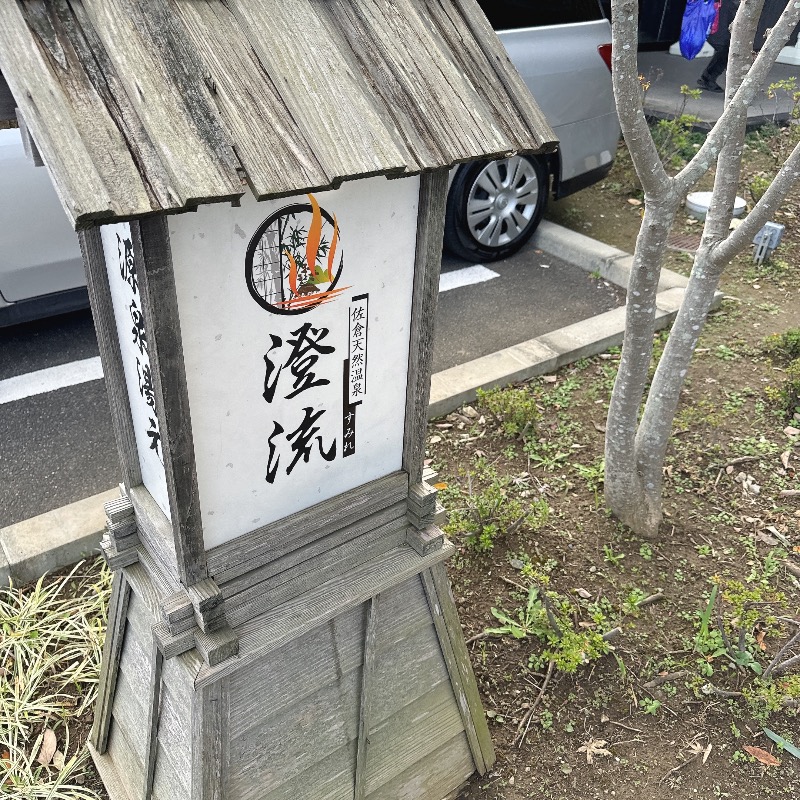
(697,21)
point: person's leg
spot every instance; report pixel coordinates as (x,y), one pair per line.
(716,66)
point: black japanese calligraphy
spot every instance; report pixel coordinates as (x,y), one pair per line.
(138,331)
(155,436)
(146,383)
(301,360)
(127,268)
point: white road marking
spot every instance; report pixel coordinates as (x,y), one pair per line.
(48,380)
(465,277)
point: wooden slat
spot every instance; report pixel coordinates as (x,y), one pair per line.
(94,263)
(163,77)
(122,752)
(405,608)
(368,697)
(331,778)
(112,648)
(114,784)
(153,718)
(307,732)
(427,265)
(309,574)
(320,85)
(268,143)
(210,743)
(441,774)
(353,508)
(411,82)
(251,583)
(451,637)
(410,736)
(155,532)
(288,676)
(486,64)
(160,308)
(294,618)
(91,165)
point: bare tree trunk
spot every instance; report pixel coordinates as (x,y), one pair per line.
(635,449)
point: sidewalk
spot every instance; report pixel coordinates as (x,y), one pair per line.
(63,536)
(667,73)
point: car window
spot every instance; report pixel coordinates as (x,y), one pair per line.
(509,14)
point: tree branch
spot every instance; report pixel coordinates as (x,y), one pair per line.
(627,91)
(770,201)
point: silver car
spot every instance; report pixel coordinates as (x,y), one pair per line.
(563,52)
(41,271)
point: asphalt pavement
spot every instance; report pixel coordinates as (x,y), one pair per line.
(56,447)
(535,293)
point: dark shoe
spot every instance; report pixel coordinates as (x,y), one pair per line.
(708,84)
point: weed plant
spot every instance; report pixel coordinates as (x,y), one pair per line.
(50,649)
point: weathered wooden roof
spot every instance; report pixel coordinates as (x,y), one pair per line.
(141,106)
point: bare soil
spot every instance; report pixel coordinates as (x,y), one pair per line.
(661,715)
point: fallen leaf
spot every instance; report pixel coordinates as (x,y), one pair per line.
(5,762)
(766,539)
(599,427)
(48,748)
(762,756)
(594,747)
(707,752)
(58,759)
(791,431)
(583,593)
(549,378)
(440,486)
(760,634)
(470,412)
(634,202)
(435,439)
(785,458)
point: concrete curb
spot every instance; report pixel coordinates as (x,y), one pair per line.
(63,536)
(52,540)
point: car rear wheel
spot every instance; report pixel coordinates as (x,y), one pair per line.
(494,207)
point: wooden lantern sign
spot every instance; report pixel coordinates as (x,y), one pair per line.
(281,624)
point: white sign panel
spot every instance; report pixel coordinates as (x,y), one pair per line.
(123,278)
(295,319)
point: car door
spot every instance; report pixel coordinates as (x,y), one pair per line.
(556,47)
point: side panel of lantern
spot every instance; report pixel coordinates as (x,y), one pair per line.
(295,319)
(123,278)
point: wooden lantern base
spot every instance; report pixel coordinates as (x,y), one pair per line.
(359,687)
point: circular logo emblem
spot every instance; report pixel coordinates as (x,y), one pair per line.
(294,260)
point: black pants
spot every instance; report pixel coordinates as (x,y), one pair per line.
(718,64)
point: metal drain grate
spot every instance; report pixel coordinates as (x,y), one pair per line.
(686,242)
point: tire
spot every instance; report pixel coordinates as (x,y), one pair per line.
(496,228)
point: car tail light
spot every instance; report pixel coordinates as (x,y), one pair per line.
(605,54)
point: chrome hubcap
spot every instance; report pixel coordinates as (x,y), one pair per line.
(502,201)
